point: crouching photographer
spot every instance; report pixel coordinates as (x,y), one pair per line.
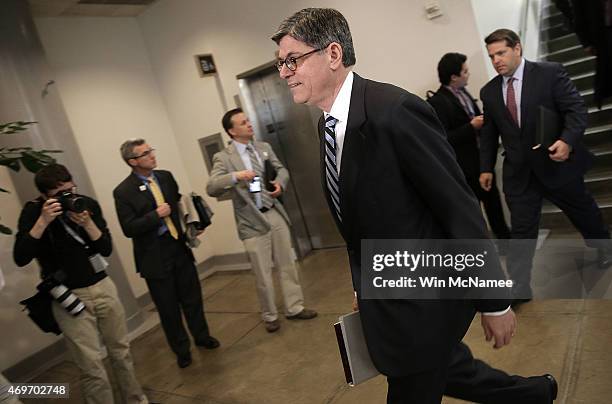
(67,234)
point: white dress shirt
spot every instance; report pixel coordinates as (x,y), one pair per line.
(340,111)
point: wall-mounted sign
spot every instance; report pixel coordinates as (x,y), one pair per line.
(206,65)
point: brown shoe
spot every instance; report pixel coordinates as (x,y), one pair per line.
(305,314)
(272,326)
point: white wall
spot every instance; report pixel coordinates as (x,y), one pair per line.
(110,94)
(491,15)
(123,77)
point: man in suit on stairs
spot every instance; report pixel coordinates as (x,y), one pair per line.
(511,103)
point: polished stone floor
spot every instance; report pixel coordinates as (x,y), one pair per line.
(572,339)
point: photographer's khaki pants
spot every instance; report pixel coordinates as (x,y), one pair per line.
(275,247)
(102,321)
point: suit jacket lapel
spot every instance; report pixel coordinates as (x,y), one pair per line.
(526,99)
(234,157)
(137,185)
(453,99)
(352,153)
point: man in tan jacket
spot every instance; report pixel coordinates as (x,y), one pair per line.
(262,222)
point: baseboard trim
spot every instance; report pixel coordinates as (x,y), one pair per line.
(55,353)
(208,267)
(37,363)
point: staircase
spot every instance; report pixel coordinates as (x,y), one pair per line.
(559,44)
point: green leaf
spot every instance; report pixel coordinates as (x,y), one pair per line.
(5,230)
(10,162)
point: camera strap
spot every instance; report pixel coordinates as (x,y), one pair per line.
(98,262)
(73,233)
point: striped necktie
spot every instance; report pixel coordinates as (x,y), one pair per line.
(159,200)
(266,200)
(331,167)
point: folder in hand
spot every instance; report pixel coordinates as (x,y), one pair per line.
(358,366)
(549,125)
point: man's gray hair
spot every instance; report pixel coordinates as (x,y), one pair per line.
(127,148)
(318,27)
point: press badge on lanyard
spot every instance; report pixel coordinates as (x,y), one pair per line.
(98,262)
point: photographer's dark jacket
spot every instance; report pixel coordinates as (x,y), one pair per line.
(56,249)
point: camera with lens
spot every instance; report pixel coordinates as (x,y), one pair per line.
(71,202)
(64,296)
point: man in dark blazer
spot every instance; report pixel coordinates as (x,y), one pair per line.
(147,208)
(462,120)
(531,172)
(397,179)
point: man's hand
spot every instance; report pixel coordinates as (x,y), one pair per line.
(50,210)
(559,151)
(163,210)
(83,219)
(477,122)
(277,189)
(499,328)
(486,181)
(355,305)
(245,175)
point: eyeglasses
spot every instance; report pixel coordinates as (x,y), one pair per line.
(291,62)
(144,154)
(72,189)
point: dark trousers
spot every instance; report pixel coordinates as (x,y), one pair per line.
(525,209)
(468,379)
(492,206)
(180,289)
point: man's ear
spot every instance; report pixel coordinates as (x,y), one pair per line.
(334,51)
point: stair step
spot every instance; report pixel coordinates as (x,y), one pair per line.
(565,41)
(584,81)
(552,20)
(554,218)
(599,117)
(549,10)
(555,32)
(597,136)
(580,66)
(573,53)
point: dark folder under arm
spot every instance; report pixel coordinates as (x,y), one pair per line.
(549,125)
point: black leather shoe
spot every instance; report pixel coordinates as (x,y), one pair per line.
(209,343)
(183,360)
(552,384)
(604,258)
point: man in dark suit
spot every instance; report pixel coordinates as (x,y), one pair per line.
(462,120)
(554,171)
(389,173)
(147,208)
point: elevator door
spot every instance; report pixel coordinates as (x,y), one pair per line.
(291,131)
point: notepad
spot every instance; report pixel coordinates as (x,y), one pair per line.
(548,128)
(356,361)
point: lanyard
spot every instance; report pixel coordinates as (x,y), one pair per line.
(73,234)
